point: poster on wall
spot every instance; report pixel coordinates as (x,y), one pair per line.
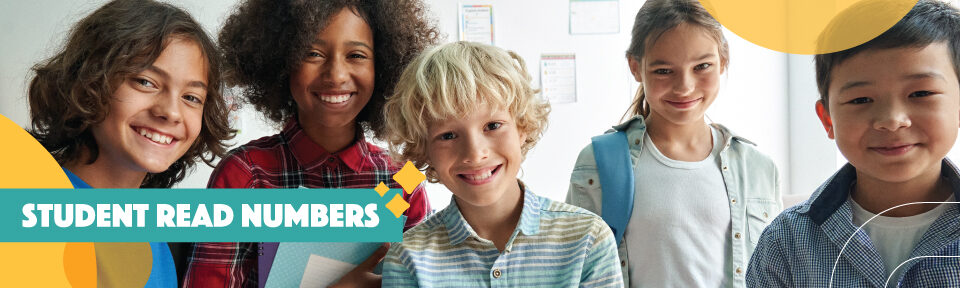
(594,17)
(558,77)
(476,23)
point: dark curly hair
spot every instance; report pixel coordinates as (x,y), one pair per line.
(263,40)
(72,90)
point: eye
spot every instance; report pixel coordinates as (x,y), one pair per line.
(662,71)
(860,100)
(193,99)
(493,126)
(313,54)
(921,94)
(448,136)
(357,56)
(145,83)
(702,66)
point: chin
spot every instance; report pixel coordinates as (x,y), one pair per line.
(156,167)
(481,201)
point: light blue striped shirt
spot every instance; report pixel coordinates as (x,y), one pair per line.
(802,245)
(554,245)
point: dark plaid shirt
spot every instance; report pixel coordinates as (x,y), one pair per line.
(289,160)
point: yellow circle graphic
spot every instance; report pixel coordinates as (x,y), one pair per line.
(798,26)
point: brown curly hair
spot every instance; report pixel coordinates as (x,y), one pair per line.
(72,90)
(263,43)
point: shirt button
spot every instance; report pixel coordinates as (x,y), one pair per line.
(623,263)
(636,142)
(764,214)
(496,273)
(739,271)
(590,181)
(734,201)
(724,168)
(737,235)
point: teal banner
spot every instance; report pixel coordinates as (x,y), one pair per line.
(200,215)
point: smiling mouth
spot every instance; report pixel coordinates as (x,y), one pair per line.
(683,104)
(481,176)
(154,136)
(335,98)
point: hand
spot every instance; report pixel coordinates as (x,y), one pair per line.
(363,276)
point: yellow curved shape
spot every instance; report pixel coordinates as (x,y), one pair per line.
(26,163)
(33,265)
(123,264)
(798,27)
(80,265)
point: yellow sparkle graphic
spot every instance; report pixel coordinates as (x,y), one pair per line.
(409,177)
(397,205)
(382,189)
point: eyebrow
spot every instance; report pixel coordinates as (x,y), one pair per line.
(164,74)
(914,76)
(350,43)
(663,62)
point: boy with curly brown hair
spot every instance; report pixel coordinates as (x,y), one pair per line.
(321,70)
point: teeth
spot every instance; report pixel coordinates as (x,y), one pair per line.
(155,137)
(335,98)
(480,176)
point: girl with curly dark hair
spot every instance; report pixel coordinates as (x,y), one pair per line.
(132,100)
(321,70)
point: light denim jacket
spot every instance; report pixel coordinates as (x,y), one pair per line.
(751,180)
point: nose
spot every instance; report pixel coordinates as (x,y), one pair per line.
(166,106)
(476,149)
(335,72)
(891,117)
(684,84)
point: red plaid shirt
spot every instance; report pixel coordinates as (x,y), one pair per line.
(289,160)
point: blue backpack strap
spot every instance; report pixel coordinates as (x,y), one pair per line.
(615,169)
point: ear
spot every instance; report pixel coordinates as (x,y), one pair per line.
(635,68)
(824,116)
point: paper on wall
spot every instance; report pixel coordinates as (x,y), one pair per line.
(594,16)
(476,23)
(558,77)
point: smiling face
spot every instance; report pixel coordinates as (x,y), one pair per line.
(894,112)
(335,80)
(155,115)
(680,74)
(478,156)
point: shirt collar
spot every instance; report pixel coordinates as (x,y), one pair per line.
(309,154)
(637,125)
(459,230)
(833,194)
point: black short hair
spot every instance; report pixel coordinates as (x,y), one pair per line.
(930,21)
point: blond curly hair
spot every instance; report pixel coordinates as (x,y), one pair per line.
(450,80)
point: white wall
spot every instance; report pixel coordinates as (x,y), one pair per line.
(753,101)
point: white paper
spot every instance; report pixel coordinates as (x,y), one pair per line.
(594,16)
(322,271)
(558,77)
(476,23)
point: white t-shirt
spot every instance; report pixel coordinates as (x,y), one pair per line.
(895,237)
(678,233)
